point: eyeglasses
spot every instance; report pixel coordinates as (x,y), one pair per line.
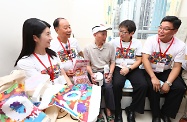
(165,29)
(123,32)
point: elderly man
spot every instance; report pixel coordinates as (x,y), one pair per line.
(67,48)
(101,54)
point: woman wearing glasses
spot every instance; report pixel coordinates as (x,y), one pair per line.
(128,58)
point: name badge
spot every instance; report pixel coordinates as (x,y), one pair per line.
(160,67)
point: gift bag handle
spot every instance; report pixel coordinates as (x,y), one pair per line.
(39,89)
(15,75)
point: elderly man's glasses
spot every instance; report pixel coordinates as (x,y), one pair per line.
(165,29)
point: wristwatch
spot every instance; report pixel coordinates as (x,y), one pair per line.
(129,69)
(169,83)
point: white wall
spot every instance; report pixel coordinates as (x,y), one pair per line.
(85,15)
(183,9)
(82,14)
(182,32)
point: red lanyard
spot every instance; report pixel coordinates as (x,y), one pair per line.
(127,50)
(164,54)
(65,49)
(51,73)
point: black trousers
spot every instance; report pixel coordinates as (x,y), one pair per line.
(139,85)
(107,93)
(173,98)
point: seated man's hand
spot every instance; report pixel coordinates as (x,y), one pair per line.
(109,78)
(165,88)
(93,78)
(156,83)
(70,73)
(124,71)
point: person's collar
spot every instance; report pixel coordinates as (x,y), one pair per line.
(63,40)
(96,47)
(169,41)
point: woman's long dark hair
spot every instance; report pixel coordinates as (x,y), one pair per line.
(32,26)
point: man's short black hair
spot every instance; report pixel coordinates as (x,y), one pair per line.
(56,22)
(129,24)
(174,20)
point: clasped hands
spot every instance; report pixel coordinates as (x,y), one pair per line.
(124,71)
(109,78)
(157,87)
(70,73)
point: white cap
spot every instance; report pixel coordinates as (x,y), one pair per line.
(100,27)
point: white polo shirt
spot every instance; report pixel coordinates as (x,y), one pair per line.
(99,57)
